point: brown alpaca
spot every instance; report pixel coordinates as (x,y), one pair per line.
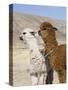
(56,53)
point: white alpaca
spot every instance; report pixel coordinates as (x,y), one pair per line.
(37,67)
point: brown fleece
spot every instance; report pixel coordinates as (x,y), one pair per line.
(57,58)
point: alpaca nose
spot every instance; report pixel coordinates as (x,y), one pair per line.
(39,32)
(21,38)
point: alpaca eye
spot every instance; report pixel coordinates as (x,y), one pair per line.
(24,33)
(44,29)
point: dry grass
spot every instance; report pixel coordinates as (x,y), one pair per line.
(20,65)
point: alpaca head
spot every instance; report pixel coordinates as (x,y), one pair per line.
(46,30)
(27,33)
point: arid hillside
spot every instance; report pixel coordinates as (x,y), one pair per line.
(21,21)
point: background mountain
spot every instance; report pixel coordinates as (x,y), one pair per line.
(21,21)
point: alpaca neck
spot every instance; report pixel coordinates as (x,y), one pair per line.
(50,44)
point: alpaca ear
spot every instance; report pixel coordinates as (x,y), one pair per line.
(55,29)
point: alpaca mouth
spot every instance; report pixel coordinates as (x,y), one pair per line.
(39,32)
